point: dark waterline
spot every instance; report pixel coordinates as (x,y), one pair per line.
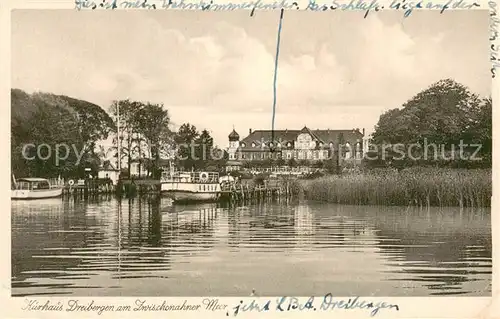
(145,247)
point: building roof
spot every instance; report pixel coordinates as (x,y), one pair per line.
(325,137)
(234,136)
(107,166)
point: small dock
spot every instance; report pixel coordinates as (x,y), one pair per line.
(87,188)
(245,192)
(230,193)
(128,188)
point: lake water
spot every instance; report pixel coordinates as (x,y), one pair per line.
(146,247)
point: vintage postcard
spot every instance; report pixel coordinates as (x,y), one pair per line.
(250,159)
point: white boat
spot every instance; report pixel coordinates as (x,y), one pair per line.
(34,188)
(191,186)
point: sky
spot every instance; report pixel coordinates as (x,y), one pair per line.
(336,70)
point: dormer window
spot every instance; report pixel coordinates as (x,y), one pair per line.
(243,144)
(331,144)
(289,144)
(279,144)
(320,144)
(253,144)
(271,144)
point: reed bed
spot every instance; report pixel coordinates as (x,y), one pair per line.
(409,187)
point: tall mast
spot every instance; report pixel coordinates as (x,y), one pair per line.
(276,74)
(118,136)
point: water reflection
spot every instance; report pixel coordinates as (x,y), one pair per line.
(147,246)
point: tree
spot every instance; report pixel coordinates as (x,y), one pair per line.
(153,124)
(219,159)
(203,149)
(94,122)
(184,139)
(129,129)
(480,130)
(44,118)
(444,114)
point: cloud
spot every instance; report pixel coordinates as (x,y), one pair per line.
(225,68)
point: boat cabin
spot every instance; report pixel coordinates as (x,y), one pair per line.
(32,184)
(190,177)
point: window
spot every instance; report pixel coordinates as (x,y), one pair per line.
(243,156)
(23,185)
(288,155)
(348,150)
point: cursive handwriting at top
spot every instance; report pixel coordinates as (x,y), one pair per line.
(113,4)
(365,6)
(286,304)
(494,21)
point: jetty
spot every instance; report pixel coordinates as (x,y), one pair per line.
(269,189)
(230,192)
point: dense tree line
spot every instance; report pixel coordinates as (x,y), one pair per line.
(42,121)
(144,133)
(145,137)
(196,151)
(438,122)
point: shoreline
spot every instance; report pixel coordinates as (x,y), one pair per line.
(421,187)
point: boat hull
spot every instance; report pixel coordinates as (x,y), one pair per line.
(23,194)
(187,196)
(191,192)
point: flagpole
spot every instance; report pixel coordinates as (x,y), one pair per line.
(119,200)
(276,74)
(118,137)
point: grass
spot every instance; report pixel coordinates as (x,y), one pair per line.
(409,187)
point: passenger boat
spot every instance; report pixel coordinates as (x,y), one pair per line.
(34,188)
(190,186)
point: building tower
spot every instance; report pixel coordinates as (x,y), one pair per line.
(234,143)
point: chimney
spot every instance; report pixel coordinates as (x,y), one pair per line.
(249,131)
(363,131)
